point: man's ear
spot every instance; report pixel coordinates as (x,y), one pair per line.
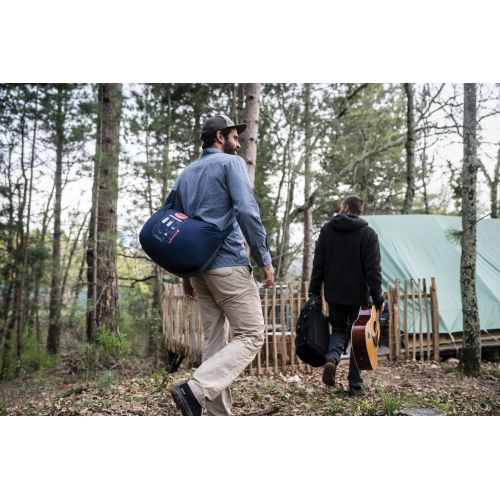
(219,136)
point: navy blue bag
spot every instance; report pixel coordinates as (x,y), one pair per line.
(179,244)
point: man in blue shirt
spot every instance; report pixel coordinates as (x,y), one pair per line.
(216,188)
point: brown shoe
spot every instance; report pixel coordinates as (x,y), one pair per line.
(329,373)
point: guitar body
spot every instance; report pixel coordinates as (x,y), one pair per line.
(365,335)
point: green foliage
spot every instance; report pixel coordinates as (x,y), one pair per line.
(35,357)
(90,357)
(390,401)
(161,379)
(106,380)
(105,353)
(2,407)
(111,346)
(136,308)
(336,406)
(454,236)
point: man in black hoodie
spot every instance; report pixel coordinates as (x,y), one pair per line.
(347,263)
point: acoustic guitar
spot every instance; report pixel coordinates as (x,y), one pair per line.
(365,335)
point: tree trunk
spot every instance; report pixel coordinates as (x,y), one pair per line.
(249,137)
(147,167)
(158,284)
(78,284)
(196,128)
(283,257)
(54,333)
(40,267)
(106,305)
(17,322)
(165,173)
(9,273)
(425,174)
(71,255)
(308,219)
(410,150)
(494,189)
(92,238)
(233,101)
(241,92)
(24,288)
(470,360)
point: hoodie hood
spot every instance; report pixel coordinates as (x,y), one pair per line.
(347,222)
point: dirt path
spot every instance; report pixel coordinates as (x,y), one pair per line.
(390,390)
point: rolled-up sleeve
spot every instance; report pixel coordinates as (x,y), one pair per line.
(247,210)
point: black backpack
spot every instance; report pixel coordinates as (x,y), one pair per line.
(312,334)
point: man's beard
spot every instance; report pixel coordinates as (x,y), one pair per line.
(230,149)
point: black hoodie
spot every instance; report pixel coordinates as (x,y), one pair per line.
(347,262)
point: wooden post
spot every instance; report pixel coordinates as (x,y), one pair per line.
(413,335)
(435,319)
(397,319)
(299,305)
(284,356)
(273,319)
(427,320)
(405,320)
(165,311)
(420,320)
(259,354)
(391,323)
(266,321)
(291,294)
(308,368)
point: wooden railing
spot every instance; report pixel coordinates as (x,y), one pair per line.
(281,304)
(413,320)
(413,325)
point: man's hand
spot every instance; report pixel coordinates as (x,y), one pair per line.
(268,276)
(379,306)
(188,288)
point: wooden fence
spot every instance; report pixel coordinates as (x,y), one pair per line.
(413,320)
(413,325)
(281,306)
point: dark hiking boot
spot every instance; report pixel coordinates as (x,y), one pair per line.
(329,373)
(358,392)
(186,401)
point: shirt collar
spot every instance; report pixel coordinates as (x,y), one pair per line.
(209,151)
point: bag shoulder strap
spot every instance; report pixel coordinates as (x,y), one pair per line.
(229,229)
(170,201)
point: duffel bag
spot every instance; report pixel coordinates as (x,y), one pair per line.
(312,334)
(181,245)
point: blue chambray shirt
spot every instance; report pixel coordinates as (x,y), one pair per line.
(216,188)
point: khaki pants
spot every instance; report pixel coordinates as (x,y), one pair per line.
(227,296)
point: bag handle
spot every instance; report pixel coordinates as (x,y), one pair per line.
(311,301)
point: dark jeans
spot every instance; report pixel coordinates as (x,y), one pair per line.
(341,318)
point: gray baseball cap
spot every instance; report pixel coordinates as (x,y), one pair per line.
(221,122)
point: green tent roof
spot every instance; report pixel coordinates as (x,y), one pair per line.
(416,246)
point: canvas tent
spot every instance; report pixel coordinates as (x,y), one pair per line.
(416,246)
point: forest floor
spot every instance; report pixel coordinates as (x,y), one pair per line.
(134,390)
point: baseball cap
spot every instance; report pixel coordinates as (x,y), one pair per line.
(221,122)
